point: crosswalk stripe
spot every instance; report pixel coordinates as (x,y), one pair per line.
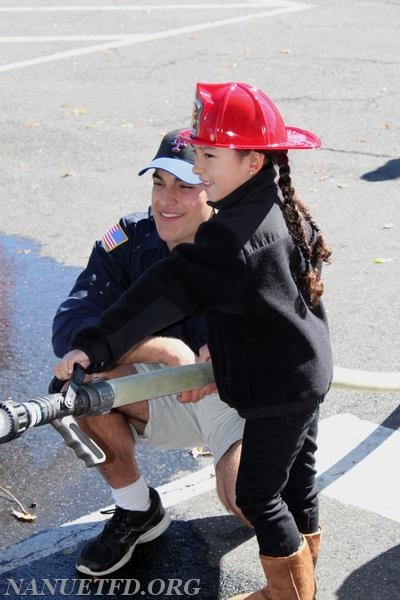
(358,464)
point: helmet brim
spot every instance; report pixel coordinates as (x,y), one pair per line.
(297,139)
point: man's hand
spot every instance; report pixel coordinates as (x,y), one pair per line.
(204,354)
(63,369)
(198,394)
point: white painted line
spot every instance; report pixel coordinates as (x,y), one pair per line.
(358,464)
(172,493)
(288,7)
(145,7)
(23,39)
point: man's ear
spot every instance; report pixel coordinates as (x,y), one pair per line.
(256,161)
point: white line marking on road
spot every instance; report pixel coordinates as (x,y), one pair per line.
(358,462)
(145,7)
(15,39)
(172,493)
(286,8)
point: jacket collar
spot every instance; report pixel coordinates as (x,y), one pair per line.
(262,180)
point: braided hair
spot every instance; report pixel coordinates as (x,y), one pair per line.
(296,213)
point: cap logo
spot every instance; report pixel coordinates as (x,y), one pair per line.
(197,110)
(177,145)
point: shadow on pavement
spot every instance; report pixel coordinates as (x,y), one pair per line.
(185,562)
(369,581)
(390,170)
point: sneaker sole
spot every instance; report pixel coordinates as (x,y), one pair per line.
(150,535)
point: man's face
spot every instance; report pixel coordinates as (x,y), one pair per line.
(178,208)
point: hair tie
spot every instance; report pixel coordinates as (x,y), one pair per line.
(315,227)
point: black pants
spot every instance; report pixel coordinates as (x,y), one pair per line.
(276,485)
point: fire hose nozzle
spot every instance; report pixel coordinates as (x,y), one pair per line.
(14,420)
(15,417)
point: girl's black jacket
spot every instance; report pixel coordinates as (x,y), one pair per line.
(270,351)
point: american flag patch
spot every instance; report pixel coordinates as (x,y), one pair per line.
(114,237)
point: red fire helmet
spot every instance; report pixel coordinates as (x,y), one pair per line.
(238,115)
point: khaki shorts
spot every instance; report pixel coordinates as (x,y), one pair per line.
(209,422)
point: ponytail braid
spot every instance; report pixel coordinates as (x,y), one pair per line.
(296,213)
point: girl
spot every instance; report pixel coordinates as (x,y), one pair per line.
(254,271)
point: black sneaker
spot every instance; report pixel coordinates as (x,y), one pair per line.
(113,548)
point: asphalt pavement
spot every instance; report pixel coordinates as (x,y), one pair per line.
(87,90)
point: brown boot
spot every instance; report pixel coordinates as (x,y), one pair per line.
(314,542)
(289,577)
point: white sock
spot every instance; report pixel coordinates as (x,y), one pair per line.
(133,497)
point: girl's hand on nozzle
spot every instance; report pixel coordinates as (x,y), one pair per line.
(63,369)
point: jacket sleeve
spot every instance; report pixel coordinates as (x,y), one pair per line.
(100,284)
(207,275)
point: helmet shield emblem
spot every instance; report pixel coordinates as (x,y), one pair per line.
(196,115)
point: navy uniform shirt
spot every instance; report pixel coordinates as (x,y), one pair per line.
(126,251)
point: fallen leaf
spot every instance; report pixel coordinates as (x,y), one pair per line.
(381,261)
(199,451)
(80,110)
(32,125)
(69,174)
(23,516)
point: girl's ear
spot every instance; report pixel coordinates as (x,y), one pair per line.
(256,161)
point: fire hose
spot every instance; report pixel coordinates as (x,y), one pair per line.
(99,397)
(94,398)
